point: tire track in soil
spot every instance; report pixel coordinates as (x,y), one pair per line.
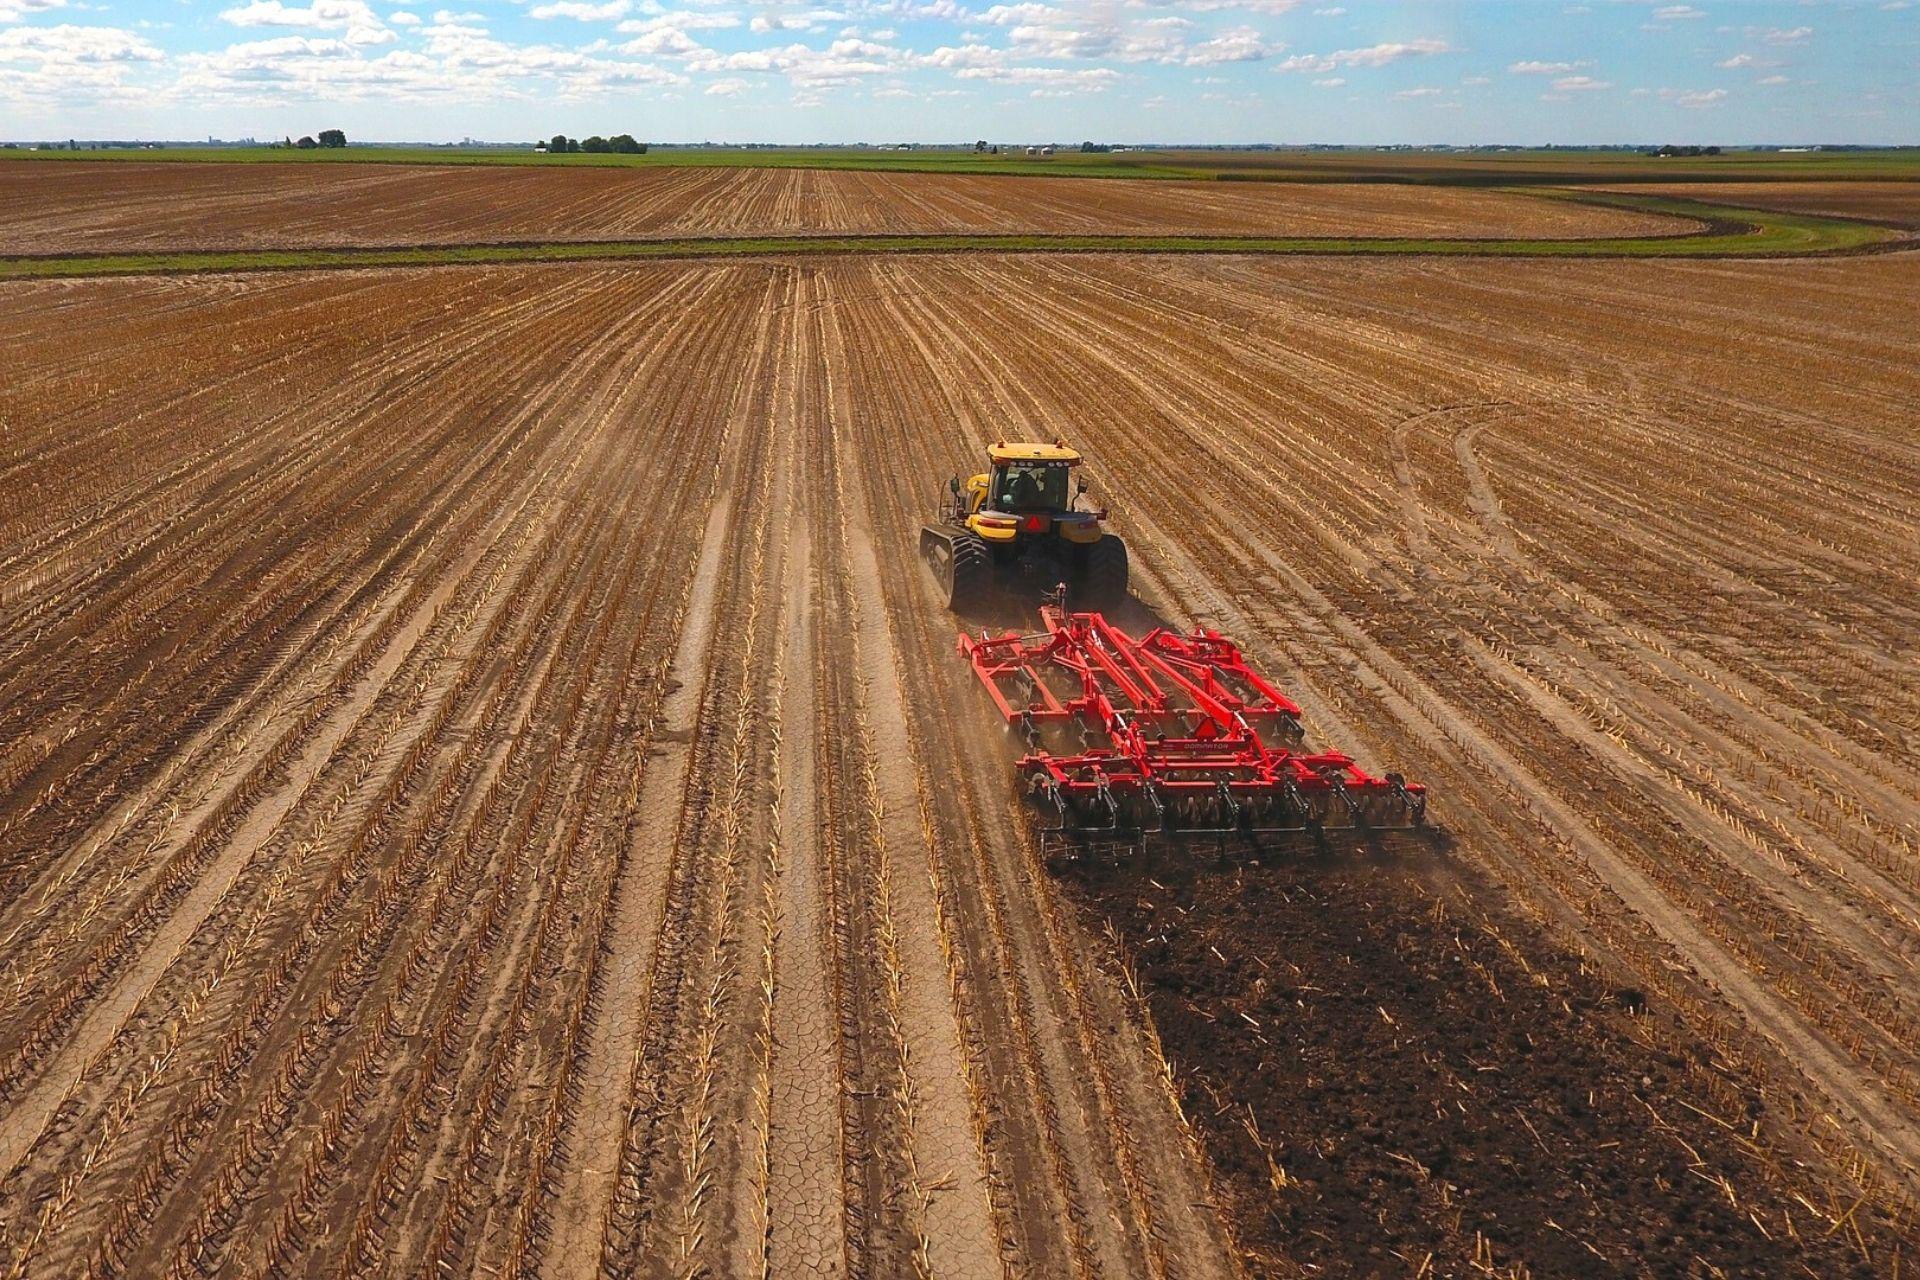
(560,949)
(586,1189)
(492,1204)
(913,1194)
(689,1150)
(1098,1153)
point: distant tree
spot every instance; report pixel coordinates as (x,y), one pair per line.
(1095,148)
(557,144)
(332,138)
(307,144)
(597,145)
(627,145)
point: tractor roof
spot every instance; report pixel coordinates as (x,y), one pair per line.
(1004,451)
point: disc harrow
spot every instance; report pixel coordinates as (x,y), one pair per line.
(1171,732)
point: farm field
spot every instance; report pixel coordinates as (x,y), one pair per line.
(483,775)
(1485,166)
(1895,203)
(55,207)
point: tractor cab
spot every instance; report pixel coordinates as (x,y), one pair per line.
(1024,479)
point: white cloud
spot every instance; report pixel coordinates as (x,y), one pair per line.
(671,41)
(14,10)
(1333,12)
(74,46)
(1011,15)
(354,17)
(1091,78)
(729,88)
(811,20)
(1378,55)
(1241,44)
(1772,80)
(1580,84)
(1424,92)
(582,10)
(843,62)
(1692,98)
(1476,80)
(401,18)
(975,61)
(68,63)
(667,35)
(1774,35)
(1056,35)
(940,10)
(1545,68)
(1063,42)
(1209,6)
(461,62)
(1677,13)
(680,20)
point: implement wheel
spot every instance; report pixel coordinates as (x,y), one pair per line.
(1106,574)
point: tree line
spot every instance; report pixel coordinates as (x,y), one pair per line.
(327,138)
(624,144)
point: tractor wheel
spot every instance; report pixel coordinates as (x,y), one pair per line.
(969,572)
(1106,576)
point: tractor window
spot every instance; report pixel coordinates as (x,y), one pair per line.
(1030,487)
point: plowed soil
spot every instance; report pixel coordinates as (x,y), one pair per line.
(1894,203)
(1390,1085)
(123,206)
(484,778)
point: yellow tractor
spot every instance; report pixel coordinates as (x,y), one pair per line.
(1020,520)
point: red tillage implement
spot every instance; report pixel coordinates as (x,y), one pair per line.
(1169,732)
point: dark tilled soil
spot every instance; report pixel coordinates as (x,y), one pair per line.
(1443,1095)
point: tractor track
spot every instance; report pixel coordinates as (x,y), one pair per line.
(497,788)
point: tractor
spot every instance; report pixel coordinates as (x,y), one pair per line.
(1020,521)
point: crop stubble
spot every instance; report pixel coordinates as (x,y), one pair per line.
(122,207)
(1894,203)
(484,775)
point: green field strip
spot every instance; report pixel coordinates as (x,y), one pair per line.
(1722,231)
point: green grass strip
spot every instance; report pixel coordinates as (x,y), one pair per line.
(1726,232)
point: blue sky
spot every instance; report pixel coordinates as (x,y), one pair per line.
(1014,70)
